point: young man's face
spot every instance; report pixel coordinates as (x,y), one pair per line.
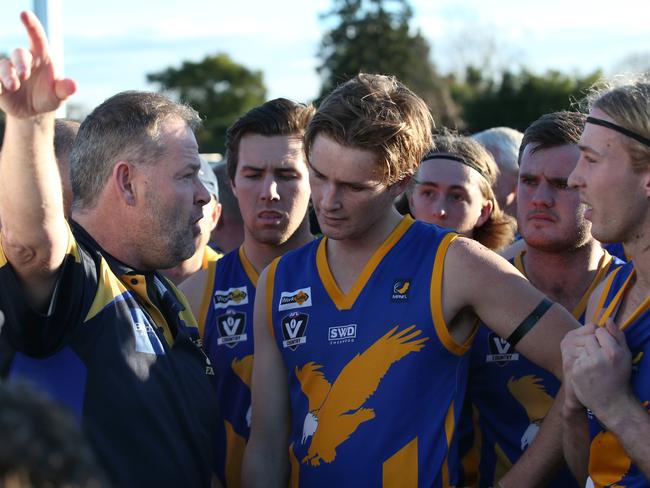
(615,196)
(448,193)
(348,192)
(549,213)
(271,186)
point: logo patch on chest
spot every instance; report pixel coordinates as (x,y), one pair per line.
(401,290)
(230,297)
(294,326)
(295,299)
(232,328)
(342,334)
(500,351)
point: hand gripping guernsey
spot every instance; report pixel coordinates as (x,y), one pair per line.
(120,348)
(508,396)
(376,381)
(227,317)
(609,465)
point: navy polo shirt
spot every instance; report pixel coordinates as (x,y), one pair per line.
(120,348)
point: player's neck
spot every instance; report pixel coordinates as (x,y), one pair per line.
(347,258)
(563,276)
(638,250)
(261,254)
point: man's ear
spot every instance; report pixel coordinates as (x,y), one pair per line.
(400,187)
(122,180)
(215,215)
(486,211)
(646,183)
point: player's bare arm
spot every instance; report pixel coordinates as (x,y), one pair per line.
(266,460)
(493,290)
(34,231)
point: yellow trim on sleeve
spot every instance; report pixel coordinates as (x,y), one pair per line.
(603,267)
(109,287)
(270,282)
(616,301)
(519,262)
(436,301)
(208,287)
(603,295)
(346,301)
(210,256)
(250,270)
(613,305)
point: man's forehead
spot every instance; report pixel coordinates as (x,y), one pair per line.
(555,160)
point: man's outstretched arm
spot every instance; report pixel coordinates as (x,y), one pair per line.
(34,234)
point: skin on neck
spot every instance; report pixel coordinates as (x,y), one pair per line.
(563,276)
(362,248)
(261,254)
(187,268)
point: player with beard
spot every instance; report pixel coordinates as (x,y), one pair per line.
(269,178)
(607,365)
(510,396)
(93,324)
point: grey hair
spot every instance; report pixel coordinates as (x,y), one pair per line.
(503,143)
(126,126)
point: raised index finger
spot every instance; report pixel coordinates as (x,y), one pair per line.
(37,38)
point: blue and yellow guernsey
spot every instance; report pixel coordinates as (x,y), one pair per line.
(226,323)
(376,381)
(508,398)
(609,465)
(120,348)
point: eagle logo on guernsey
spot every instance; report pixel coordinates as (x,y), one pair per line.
(400,290)
(295,299)
(230,297)
(293,330)
(232,328)
(336,410)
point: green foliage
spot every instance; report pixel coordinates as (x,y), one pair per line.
(516,99)
(220,89)
(374,36)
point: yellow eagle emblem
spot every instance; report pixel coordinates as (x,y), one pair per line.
(335,410)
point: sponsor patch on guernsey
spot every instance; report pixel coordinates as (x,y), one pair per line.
(342,334)
(230,297)
(295,299)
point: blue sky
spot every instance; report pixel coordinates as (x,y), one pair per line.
(110,46)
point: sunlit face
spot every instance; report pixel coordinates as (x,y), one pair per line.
(173,199)
(549,213)
(448,193)
(348,192)
(615,197)
(272,187)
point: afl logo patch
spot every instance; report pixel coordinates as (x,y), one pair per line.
(294,326)
(232,328)
(501,352)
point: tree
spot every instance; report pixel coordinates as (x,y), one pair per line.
(516,99)
(374,36)
(218,88)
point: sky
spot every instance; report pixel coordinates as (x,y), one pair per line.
(111,46)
